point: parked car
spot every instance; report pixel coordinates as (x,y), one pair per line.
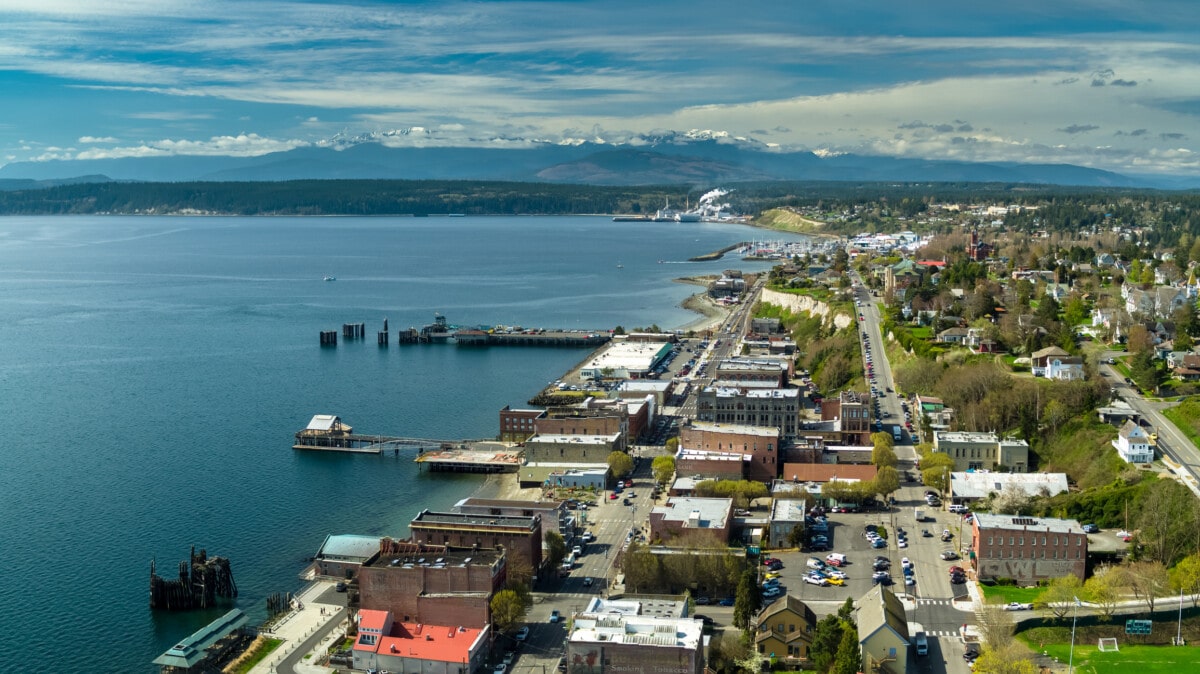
(1018,606)
(773,592)
(1091,529)
(949,555)
(728,601)
(500,668)
(554,616)
(587,582)
(814,580)
(522,634)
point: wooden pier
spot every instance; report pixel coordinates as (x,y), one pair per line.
(440,332)
(327,433)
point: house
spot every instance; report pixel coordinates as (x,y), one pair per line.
(953,336)
(1133,444)
(1040,359)
(1105,260)
(1068,368)
(784,630)
(1027,549)
(882,632)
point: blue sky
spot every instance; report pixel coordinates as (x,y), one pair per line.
(1113,85)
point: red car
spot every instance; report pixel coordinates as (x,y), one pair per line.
(612,496)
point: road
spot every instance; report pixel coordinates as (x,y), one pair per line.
(723,344)
(1171,441)
(891,413)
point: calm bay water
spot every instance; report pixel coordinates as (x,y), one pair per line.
(153,371)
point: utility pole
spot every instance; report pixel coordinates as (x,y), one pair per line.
(1071,658)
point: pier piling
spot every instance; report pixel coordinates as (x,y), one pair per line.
(354,330)
(329,338)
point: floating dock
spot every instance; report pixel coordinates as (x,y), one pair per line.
(327,433)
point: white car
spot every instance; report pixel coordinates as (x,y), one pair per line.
(522,634)
(836,574)
(1018,606)
(815,580)
(902,542)
(905,562)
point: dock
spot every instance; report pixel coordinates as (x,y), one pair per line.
(327,433)
(441,332)
(481,457)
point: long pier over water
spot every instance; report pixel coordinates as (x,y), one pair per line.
(327,433)
(440,332)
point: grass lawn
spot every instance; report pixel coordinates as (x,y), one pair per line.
(1145,659)
(260,653)
(1011,593)
(923,332)
(1186,417)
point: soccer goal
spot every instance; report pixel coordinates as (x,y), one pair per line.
(1108,644)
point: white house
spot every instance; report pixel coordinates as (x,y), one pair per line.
(1069,368)
(1133,444)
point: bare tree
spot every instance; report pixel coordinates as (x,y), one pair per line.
(995,625)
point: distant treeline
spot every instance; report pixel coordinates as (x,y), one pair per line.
(442,197)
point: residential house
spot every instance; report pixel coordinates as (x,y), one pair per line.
(784,630)
(1069,368)
(953,336)
(882,632)
(1041,359)
(1133,444)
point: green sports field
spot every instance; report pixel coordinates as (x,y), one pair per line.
(1131,659)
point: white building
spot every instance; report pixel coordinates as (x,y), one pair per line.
(1133,444)
(626,360)
(965,487)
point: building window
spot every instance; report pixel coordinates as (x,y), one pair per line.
(1021,540)
(1010,540)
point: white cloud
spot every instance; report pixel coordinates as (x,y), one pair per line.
(96,139)
(242,145)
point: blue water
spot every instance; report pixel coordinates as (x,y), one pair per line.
(154,369)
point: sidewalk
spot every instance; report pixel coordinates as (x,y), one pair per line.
(299,626)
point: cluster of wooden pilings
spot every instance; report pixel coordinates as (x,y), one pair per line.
(202,582)
(352,332)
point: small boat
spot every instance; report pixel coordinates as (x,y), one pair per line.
(620,266)
(330,278)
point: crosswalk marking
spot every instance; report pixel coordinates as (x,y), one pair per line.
(934,602)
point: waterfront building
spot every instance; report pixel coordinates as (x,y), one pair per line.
(759,443)
(626,360)
(433,584)
(1027,549)
(742,405)
(982,451)
(634,644)
(784,631)
(686,520)
(520,535)
(516,425)
(882,632)
(572,450)
(586,478)
(340,556)
(384,643)
(641,389)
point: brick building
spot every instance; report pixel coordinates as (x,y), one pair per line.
(760,443)
(521,536)
(775,371)
(432,584)
(555,515)
(573,450)
(852,414)
(517,425)
(1028,549)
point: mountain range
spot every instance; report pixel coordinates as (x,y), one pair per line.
(663,159)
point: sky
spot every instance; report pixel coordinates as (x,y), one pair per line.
(1100,83)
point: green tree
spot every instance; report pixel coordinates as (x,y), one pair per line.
(886,481)
(556,549)
(1059,596)
(507,609)
(1006,659)
(748,600)
(663,467)
(884,457)
(849,657)
(846,612)
(882,439)
(1185,576)
(827,638)
(641,568)
(1075,312)
(1103,590)
(619,464)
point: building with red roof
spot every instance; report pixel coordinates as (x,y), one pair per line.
(383,643)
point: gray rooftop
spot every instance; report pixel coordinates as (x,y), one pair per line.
(1014,523)
(349,547)
(980,484)
(713,512)
(190,651)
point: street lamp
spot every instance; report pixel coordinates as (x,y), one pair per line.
(1071,658)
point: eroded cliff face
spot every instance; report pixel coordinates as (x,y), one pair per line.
(798,303)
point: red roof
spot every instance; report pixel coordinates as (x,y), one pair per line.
(435,643)
(824,472)
(932,263)
(371,620)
